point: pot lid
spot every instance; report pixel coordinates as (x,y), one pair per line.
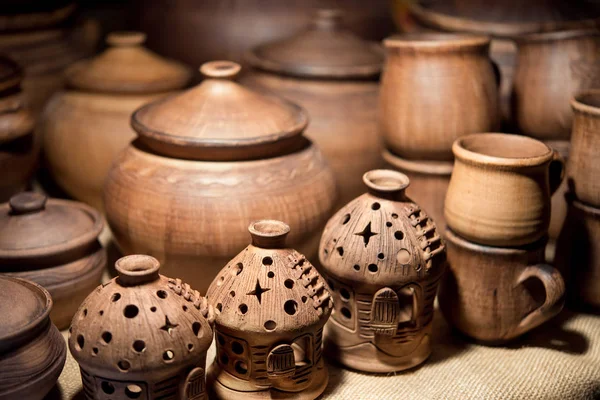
(10,74)
(31,225)
(325,49)
(127,67)
(24,305)
(220,120)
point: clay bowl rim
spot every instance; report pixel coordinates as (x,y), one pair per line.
(437,168)
(455,239)
(395,181)
(437,41)
(477,158)
(279,228)
(578,104)
(554,36)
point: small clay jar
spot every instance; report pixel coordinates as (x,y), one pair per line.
(208,162)
(272,307)
(32,350)
(90,120)
(435,88)
(334,74)
(19,148)
(383,259)
(142,336)
(53,243)
(551,68)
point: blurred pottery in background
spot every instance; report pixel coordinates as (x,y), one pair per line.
(53,243)
(206,163)
(434,89)
(332,73)
(90,120)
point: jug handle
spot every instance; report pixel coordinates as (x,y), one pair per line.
(557,171)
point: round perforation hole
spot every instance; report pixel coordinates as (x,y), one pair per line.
(375,206)
(271,274)
(237,269)
(184,307)
(388,224)
(241,367)
(220,281)
(356,267)
(107,387)
(221,340)
(395,216)
(346,313)
(243,308)
(224,359)
(168,356)
(237,347)
(133,391)
(130,311)
(373,268)
(219,307)
(232,293)
(80,342)
(267,261)
(270,325)
(101,312)
(381,256)
(161,294)
(115,297)
(153,309)
(344,294)
(124,365)
(190,347)
(95,351)
(196,328)
(139,346)
(304,299)
(288,283)
(399,235)
(290,307)
(106,337)
(346,219)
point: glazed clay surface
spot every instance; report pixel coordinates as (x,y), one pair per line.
(383,259)
(493,294)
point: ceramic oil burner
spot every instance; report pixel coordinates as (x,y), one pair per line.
(19,148)
(53,243)
(499,192)
(428,183)
(434,89)
(91,119)
(208,162)
(334,75)
(495,294)
(583,172)
(142,336)
(32,350)
(551,68)
(578,254)
(383,259)
(272,307)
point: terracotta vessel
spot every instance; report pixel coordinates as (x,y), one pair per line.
(180,28)
(207,163)
(53,243)
(578,254)
(91,119)
(333,74)
(428,183)
(493,294)
(32,350)
(383,259)
(583,170)
(434,89)
(19,148)
(142,336)
(551,68)
(273,305)
(499,192)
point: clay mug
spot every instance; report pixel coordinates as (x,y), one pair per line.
(493,294)
(500,188)
(583,170)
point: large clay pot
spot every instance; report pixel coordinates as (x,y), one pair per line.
(90,120)
(434,89)
(199,31)
(207,163)
(332,73)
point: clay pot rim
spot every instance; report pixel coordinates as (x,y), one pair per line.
(437,41)
(579,104)
(464,154)
(567,34)
(425,167)
(450,236)
(385,180)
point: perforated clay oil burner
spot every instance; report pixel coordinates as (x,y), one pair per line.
(271,306)
(142,336)
(383,258)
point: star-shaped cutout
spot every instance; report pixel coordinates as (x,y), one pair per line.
(367,233)
(169,326)
(258,291)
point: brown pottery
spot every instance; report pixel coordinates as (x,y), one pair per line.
(142,336)
(434,89)
(383,259)
(495,294)
(208,162)
(90,121)
(500,188)
(551,68)
(32,350)
(333,74)
(19,148)
(53,243)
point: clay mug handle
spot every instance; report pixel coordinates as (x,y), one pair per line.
(555,296)
(557,171)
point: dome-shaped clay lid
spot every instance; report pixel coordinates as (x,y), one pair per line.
(127,67)
(140,322)
(381,237)
(24,307)
(325,49)
(220,120)
(269,288)
(33,226)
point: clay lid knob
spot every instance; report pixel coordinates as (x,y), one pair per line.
(386,183)
(137,269)
(220,69)
(125,38)
(328,18)
(269,233)
(27,202)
